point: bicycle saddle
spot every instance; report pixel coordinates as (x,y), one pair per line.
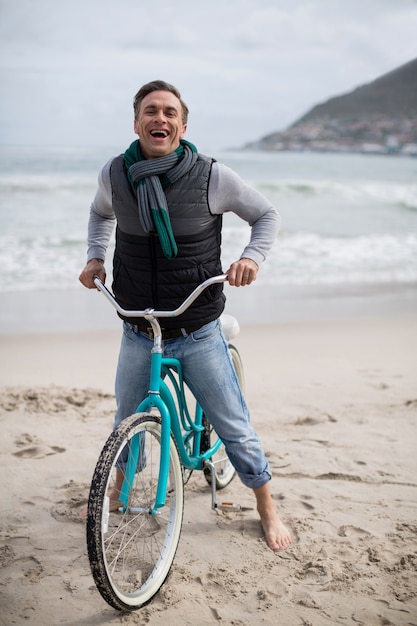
(230,326)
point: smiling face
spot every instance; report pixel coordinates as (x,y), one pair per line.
(159,124)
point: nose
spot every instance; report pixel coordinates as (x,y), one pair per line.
(159,115)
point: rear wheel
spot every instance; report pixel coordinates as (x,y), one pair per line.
(238,365)
(131,551)
(224,470)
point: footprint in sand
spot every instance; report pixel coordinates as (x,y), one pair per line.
(30,567)
(38,452)
(68,506)
(34,449)
(352,531)
(315,574)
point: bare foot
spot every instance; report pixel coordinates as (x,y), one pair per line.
(277,535)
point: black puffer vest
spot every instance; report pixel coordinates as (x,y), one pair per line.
(142,276)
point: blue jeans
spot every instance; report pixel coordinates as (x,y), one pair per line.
(209,373)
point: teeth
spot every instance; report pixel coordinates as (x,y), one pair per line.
(158,133)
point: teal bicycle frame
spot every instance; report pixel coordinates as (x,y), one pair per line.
(175,416)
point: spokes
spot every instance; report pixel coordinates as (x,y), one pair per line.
(134,538)
(123,555)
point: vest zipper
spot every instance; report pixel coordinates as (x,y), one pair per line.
(154,263)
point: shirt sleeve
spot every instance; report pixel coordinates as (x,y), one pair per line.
(229,192)
(102,218)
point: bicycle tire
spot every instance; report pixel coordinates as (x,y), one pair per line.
(238,365)
(131,552)
(224,470)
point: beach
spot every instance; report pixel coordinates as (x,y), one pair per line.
(334,400)
(329,344)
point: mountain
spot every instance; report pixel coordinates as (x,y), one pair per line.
(380,116)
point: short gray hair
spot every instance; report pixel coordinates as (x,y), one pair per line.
(158,85)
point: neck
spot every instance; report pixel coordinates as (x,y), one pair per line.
(179,150)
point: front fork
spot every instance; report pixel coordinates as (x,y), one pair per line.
(152,401)
(133,457)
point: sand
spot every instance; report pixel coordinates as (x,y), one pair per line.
(335,404)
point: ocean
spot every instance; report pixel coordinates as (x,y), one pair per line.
(349,227)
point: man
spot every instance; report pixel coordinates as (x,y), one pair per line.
(167,201)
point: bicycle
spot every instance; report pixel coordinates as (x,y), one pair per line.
(136,499)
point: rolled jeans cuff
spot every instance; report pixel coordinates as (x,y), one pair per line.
(254,481)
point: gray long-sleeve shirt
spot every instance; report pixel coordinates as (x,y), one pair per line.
(227,192)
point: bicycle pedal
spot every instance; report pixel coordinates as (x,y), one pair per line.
(232,506)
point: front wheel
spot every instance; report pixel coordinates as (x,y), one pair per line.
(224,470)
(131,548)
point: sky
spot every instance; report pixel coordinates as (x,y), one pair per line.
(246,68)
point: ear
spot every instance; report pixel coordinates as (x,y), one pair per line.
(184,128)
(136,126)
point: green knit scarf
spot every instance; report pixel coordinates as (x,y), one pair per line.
(149,178)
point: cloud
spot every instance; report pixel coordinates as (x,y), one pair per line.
(246,68)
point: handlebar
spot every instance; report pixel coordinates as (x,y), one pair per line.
(147,313)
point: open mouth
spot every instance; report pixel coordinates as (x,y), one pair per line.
(159,134)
